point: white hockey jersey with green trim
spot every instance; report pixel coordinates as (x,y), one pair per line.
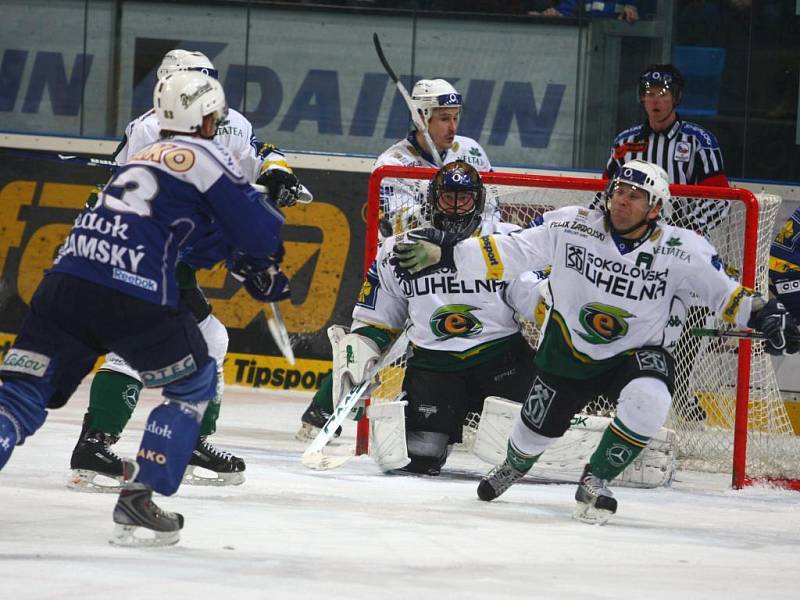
(448,311)
(604,302)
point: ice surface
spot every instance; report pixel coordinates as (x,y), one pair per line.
(354,533)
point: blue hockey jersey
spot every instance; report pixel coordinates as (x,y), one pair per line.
(171,194)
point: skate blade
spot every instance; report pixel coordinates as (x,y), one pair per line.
(586,513)
(132,536)
(196,476)
(306,433)
(82,480)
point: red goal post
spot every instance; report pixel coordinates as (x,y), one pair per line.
(748,236)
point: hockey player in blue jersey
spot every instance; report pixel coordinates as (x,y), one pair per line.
(112,287)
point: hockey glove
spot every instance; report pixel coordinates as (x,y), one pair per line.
(427,251)
(283,188)
(264,283)
(774,322)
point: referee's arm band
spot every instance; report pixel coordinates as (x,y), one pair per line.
(715,180)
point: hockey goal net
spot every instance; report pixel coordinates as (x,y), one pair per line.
(727,409)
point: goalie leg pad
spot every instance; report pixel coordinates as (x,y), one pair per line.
(353,356)
(494,429)
(387,435)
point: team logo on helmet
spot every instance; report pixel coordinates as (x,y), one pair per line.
(602,323)
(455,320)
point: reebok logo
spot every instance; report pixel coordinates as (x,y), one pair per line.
(25,361)
(160,430)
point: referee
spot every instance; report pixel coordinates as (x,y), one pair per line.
(689,153)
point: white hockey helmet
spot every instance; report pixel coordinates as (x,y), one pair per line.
(645,176)
(183,99)
(185,60)
(429,94)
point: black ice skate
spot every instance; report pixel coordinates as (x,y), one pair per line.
(498,480)
(95,466)
(224,467)
(312,421)
(596,503)
(139,521)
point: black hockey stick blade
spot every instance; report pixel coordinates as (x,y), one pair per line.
(386,66)
(734,333)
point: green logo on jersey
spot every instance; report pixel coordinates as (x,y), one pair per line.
(603,323)
(474,152)
(455,320)
(674,241)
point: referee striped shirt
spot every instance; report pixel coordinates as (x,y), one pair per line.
(689,154)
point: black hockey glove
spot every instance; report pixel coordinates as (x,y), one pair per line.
(775,323)
(283,188)
(427,251)
(263,281)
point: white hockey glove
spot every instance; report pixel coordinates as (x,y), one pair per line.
(353,356)
(427,251)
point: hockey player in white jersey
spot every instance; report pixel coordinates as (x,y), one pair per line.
(464,331)
(614,277)
(115,388)
(440,105)
(112,287)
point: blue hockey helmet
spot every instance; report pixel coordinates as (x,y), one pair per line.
(456,198)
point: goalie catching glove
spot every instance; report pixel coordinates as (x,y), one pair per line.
(773,320)
(263,279)
(425,252)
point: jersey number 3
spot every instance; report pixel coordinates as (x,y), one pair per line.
(131,191)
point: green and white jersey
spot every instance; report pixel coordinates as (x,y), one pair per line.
(449,312)
(606,303)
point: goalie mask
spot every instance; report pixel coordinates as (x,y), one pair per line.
(659,79)
(456,198)
(183,99)
(645,176)
(185,60)
(430,94)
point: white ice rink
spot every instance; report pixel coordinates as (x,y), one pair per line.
(354,533)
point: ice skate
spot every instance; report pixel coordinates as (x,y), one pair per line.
(596,503)
(139,521)
(95,466)
(311,422)
(211,466)
(498,480)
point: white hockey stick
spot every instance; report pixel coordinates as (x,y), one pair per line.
(313,457)
(416,115)
(278,330)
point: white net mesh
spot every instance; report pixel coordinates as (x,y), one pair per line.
(704,405)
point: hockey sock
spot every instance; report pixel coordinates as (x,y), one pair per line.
(112,398)
(8,439)
(209,423)
(167,444)
(519,460)
(324,396)
(618,448)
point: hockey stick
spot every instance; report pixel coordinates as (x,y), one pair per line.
(313,457)
(416,115)
(304,196)
(278,330)
(734,333)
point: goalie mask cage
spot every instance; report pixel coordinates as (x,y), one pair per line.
(727,409)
